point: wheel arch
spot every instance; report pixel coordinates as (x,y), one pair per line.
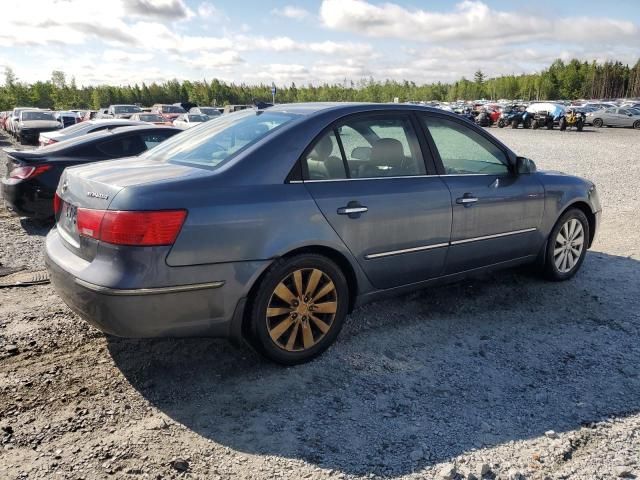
(336,256)
(586,209)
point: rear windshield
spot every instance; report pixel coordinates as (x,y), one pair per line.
(37,116)
(126,109)
(198,118)
(172,109)
(213,143)
(73,128)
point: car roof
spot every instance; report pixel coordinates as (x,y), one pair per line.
(318,107)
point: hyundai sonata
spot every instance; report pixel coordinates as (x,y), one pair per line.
(271,225)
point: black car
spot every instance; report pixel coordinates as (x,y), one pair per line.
(32,175)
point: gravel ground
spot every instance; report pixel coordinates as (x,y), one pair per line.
(507,375)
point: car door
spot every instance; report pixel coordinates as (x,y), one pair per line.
(609,116)
(368,176)
(624,117)
(495,213)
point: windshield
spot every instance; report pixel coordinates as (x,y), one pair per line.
(151,117)
(172,109)
(37,116)
(213,143)
(125,109)
(198,118)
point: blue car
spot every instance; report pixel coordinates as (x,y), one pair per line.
(272,225)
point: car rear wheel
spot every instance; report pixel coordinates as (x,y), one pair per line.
(567,245)
(636,125)
(299,308)
(597,122)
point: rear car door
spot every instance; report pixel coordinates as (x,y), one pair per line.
(368,176)
(496,213)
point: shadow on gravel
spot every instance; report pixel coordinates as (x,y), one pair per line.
(36,227)
(416,380)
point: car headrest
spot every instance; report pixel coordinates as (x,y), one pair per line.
(386,151)
(322,149)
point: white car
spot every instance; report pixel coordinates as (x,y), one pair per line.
(188,120)
(14,118)
(83,128)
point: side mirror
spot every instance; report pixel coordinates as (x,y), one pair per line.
(525,165)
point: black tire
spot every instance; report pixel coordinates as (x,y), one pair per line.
(260,335)
(501,123)
(579,125)
(535,125)
(598,123)
(549,124)
(636,125)
(563,124)
(526,123)
(514,123)
(551,271)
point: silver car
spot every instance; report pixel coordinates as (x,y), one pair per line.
(614,117)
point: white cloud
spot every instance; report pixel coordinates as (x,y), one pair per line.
(470,21)
(167,10)
(126,56)
(293,12)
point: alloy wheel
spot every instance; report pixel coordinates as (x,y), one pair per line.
(568,246)
(302,309)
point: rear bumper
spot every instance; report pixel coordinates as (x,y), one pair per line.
(212,308)
(27,201)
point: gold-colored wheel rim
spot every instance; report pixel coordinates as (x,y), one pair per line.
(301,309)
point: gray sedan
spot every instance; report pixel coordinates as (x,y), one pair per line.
(614,117)
(271,225)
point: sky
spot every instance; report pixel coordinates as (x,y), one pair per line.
(121,42)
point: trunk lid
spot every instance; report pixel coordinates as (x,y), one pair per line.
(94,186)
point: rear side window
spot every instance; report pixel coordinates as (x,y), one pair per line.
(324,161)
(122,146)
(464,151)
(152,139)
(372,147)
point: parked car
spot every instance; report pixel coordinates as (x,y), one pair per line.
(32,122)
(89,115)
(614,117)
(151,118)
(208,111)
(189,120)
(32,176)
(235,108)
(14,117)
(84,128)
(195,237)
(66,119)
(118,111)
(169,112)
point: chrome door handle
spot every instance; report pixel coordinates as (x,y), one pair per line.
(467,200)
(351,210)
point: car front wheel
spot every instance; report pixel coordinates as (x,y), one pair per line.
(567,245)
(597,122)
(299,308)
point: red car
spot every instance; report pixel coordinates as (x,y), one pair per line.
(169,112)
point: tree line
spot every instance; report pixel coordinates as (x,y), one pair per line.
(561,80)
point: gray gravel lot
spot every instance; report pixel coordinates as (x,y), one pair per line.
(505,375)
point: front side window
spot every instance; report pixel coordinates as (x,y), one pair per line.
(214,143)
(464,151)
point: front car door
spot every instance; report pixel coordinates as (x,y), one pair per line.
(368,176)
(496,213)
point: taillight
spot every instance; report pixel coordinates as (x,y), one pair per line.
(57,203)
(131,228)
(50,141)
(24,172)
